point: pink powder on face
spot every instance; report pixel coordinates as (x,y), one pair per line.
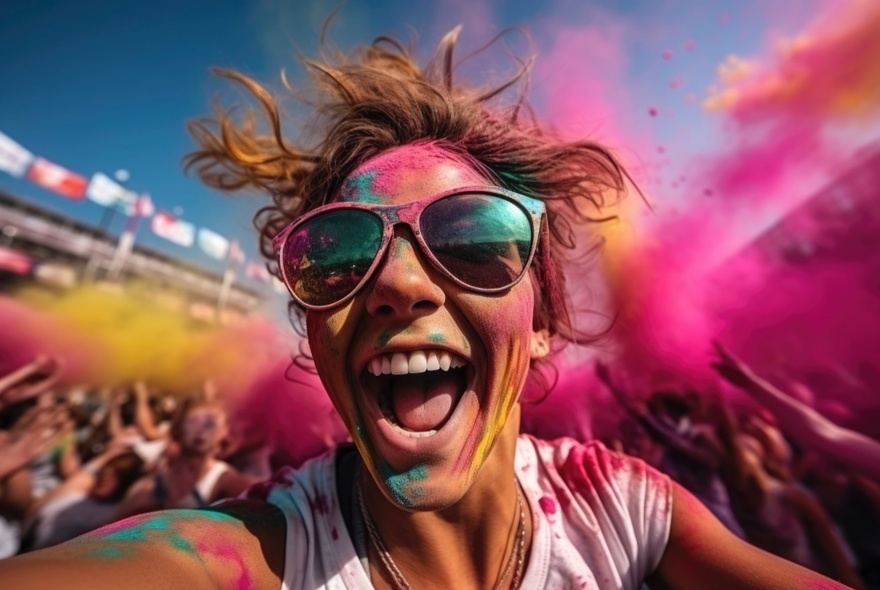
(402,172)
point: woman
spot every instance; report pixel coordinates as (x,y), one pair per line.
(428,232)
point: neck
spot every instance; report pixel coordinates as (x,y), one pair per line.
(465,545)
(194,458)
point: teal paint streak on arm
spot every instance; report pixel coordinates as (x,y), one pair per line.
(158,529)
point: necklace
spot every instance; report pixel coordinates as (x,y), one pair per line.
(517,556)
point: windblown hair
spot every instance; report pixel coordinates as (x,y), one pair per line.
(377,98)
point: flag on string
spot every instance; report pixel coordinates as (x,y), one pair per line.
(165,225)
(257,271)
(58,179)
(212,243)
(143,206)
(15,261)
(105,191)
(14,159)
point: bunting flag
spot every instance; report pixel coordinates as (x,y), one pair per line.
(165,225)
(105,191)
(143,207)
(58,179)
(15,262)
(14,159)
(236,254)
(257,271)
(212,244)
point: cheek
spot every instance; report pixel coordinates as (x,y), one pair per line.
(328,334)
(505,323)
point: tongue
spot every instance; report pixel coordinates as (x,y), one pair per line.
(422,404)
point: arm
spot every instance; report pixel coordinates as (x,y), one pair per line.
(803,424)
(68,461)
(824,538)
(702,554)
(240,545)
(31,436)
(143,415)
(81,481)
(114,416)
(29,381)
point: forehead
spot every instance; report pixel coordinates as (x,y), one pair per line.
(408,173)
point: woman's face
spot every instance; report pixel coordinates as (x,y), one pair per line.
(424,435)
(203,429)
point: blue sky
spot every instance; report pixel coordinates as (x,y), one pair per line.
(101,85)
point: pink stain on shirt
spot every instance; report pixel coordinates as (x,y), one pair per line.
(548,505)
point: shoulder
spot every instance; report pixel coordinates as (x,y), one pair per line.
(239,545)
(614,509)
(588,467)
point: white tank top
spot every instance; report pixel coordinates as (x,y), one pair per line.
(600,520)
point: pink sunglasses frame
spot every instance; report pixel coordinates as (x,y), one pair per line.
(410,214)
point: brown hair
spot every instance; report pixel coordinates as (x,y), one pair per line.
(128,468)
(377,98)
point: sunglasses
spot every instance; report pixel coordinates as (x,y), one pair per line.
(482,239)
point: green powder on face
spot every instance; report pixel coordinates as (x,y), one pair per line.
(384,338)
(402,485)
(436,338)
(359,189)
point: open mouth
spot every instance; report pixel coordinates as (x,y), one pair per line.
(417,391)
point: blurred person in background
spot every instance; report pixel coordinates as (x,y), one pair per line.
(691,452)
(189,474)
(32,427)
(87,500)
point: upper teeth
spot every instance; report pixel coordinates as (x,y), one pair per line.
(417,361)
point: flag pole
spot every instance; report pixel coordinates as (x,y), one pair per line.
(232,258)
(126,239)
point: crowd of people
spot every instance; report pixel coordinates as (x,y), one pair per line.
(422,241)
(72,460)
(776,473)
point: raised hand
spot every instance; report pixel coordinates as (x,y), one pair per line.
(731,368)
(30,380)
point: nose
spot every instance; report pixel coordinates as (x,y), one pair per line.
(404,286)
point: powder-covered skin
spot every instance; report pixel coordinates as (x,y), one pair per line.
(493,332)
(359,189)
(194,534)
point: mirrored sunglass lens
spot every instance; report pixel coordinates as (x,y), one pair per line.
(326,258)
(482,240)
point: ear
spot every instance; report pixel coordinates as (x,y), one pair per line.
(540,345)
